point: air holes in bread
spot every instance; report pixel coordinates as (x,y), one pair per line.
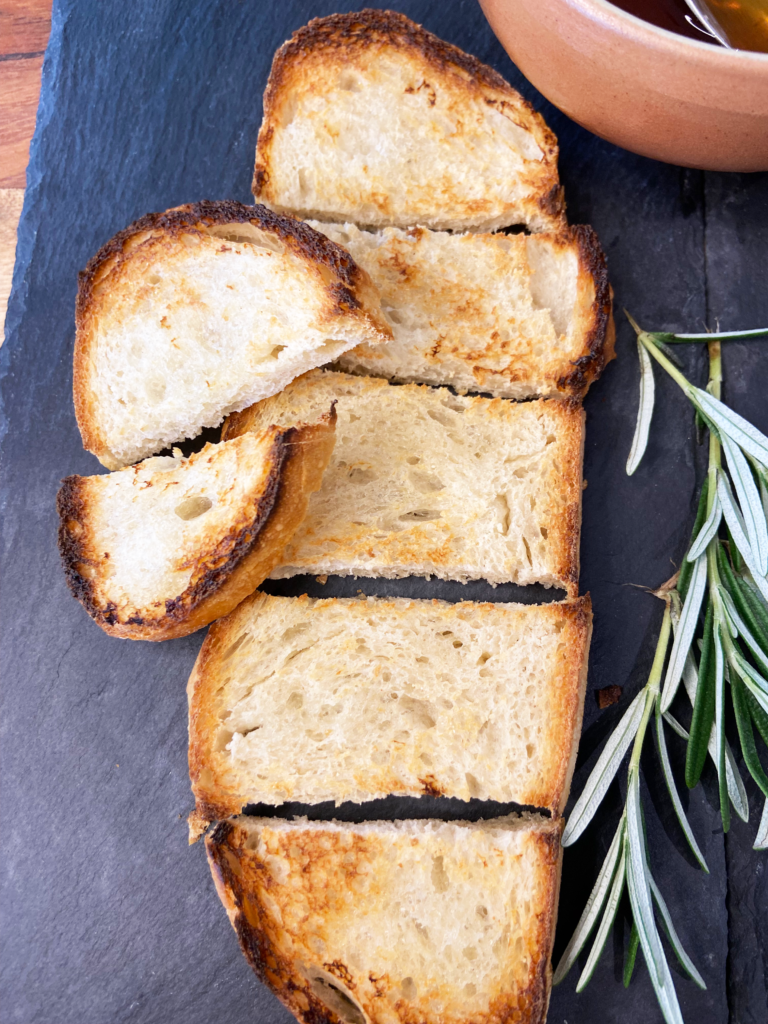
(421,513)
(358,475)
(348,82)
(246,233)
(339,1002)
(440,878)
(193,507)
(235,645)
(408,988)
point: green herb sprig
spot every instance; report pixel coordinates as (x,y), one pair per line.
(716,606)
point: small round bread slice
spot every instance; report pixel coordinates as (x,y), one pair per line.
(189,315)
(163,548)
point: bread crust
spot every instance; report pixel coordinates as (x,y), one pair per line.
(340,39)
(274,924)
(596,314)
(347,287)
(222,578)
(218,793)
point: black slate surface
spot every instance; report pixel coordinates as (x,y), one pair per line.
(107,915)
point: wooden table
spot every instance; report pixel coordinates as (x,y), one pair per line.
(24,29)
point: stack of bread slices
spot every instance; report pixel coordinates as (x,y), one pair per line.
(398,339)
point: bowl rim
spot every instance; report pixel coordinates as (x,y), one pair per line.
(616,18)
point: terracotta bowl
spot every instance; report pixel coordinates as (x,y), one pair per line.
(642,87)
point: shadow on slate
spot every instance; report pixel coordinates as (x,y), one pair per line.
(107,915)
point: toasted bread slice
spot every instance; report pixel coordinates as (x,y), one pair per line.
(424,482)
(161,549)
(395,922)
(189,315)
(512,315)
(313,700)
(369,118)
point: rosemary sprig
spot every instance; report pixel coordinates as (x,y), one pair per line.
(716,605)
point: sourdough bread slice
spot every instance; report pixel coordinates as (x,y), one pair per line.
(424,482)
(371,119)
(513,315)
(188,315)
(395,922)
(162,548)
(349,700)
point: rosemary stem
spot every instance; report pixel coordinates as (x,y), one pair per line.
(647,341)
(652,688)
(713,387)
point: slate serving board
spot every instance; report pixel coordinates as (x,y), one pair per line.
(107,915)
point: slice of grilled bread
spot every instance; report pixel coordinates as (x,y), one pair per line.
(371,119)
(313,700)
(424,482)
(395,922)
(162,548)
(512,315)
(189,315)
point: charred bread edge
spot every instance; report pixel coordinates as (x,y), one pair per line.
(272,969)
(303,240)
(600,340)
(582,621)
(359,29)
(579,613)
(566,558)
(187,612)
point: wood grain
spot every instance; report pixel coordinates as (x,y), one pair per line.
(24,29)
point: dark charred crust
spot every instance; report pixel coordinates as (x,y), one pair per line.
(220,833)
(70,504)
(359,30)
(224,559)
(431,786)
(598,345)
(553,202)
(303,240)
(234,551)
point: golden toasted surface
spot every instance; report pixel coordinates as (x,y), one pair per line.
(161,549)
(425,482)
(187,315)
(413,922)
(313,700)
(370,118)
(512,315)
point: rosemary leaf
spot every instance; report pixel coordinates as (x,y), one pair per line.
(701,514)
(736,791)
(642,909)
(689,618)
(707,532)
(735,521)
(604,771)
(749,500)
(725,808)
(644,411)
(746,736)
(728,422)
(629,966)
(747,603)
(675,726)
(758,716)
(591,911)
(606,924)
(684,960)
(754,682)
(674,795)
(703,707)
(759,332)
(761,839)
(742,629)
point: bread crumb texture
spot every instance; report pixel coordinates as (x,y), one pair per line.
(411,922)
(426,482)
(515,316)
(312,700)
(371,119)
